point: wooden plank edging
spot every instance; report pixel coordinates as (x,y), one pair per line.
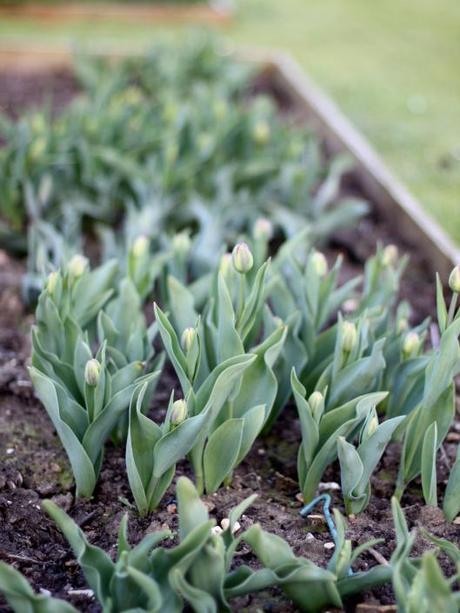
(205,12)
(393,200)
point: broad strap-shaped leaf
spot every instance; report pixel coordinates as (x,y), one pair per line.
(96,565)
(192,511)
(82,467)
(21,597)
(221,453)
(451,504)
(428,467)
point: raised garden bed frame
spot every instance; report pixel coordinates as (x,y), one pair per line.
(203,12)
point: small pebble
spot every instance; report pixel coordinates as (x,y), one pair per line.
(216,530)
(10,450)
(171,508)
(329,545)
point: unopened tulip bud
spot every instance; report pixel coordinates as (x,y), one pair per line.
(390,255)
(77,266)
(349,336)
(454,280)
(179,412)
(261,132)
(140,246)
(92,372)
(188,336)
(411,344)
(51,282)
(316,402)
(403,324)
(181,243)
(242,258)
(372,425)
(263,229)
(319,263)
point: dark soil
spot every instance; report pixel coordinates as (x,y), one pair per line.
(34,467)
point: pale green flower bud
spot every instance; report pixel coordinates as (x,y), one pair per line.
(454,280)
(372,425)
(179,412)
(411,344)
(390,255)
(140,246)
(181,243)
(188,336)
(316,402)
(349,336)
(403,324)
(263,229)
(319,263)
(92,372)
(261,132)
(51,282)
(220,109)
(242,258)
(77,266)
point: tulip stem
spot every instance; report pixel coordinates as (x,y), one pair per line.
(452,307)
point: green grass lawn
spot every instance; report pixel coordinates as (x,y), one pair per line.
(392,66)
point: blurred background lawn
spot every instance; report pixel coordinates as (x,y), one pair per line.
(393,67)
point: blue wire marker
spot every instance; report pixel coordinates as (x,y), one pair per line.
(326,500)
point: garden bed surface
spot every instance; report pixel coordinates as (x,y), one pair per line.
(33,465)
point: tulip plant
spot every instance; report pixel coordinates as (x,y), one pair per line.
(87,395)
(197,572)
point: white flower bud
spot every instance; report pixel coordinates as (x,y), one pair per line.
(454,280)
(319,263)
(140,246)
(188,336)
(179,412)
(92,372)
(372,425)
(263,229)
(77,266)
(181,243)
(51,282)
(261,132)
(316,402)
(242,258)
(390,255)
(349,336)
(411,344)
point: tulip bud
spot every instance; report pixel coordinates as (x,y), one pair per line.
(181,243)
(51,282)
(263,229)
(261,132)
(188,336)
(179,412)
(390,255)
(242,258)
(316,402)
(77,266)
(92,372)
(349,336)
(411,344)
(454,280)
(372,425)
(140,246)
(225,265)
(319,263)
(403,324)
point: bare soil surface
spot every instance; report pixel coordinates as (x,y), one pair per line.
(33,466)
